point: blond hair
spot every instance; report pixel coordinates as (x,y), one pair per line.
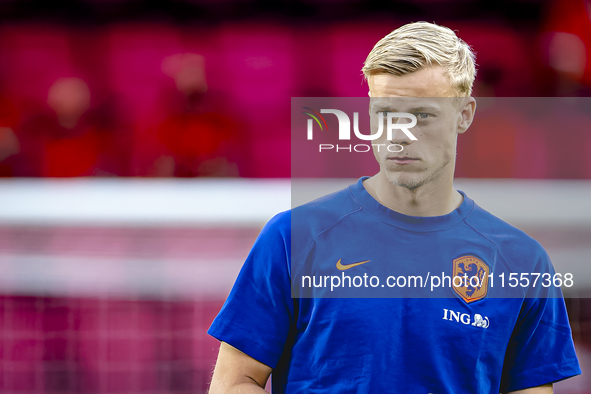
(421,44)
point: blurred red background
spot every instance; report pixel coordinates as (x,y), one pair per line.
(195,88)
(209,95)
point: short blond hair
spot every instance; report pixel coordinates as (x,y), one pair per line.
(421,44)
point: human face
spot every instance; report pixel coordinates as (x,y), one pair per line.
(440,118)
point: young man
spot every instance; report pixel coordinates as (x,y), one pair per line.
(472,339)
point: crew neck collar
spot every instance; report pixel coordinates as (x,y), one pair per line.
(415,223)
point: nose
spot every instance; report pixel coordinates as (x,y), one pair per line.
(398,134)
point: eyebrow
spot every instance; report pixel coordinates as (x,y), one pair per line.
(410,110)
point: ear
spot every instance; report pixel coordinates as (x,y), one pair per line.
(466,114)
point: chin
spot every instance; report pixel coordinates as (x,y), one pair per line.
(406,181)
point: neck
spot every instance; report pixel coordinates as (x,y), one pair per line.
(435,198)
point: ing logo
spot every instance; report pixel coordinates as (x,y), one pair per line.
(477,321)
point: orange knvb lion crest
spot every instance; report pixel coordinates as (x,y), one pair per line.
(474,274)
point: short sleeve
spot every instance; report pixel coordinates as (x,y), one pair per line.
(541,349)
(259,311)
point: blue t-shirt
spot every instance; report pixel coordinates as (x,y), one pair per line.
(386,327)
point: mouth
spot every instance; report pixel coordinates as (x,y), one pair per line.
(403,160)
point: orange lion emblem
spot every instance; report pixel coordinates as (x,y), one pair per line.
(474,274)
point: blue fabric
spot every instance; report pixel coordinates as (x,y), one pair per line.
(377,339)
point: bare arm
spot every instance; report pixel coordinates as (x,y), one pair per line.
(545,389)
(236,372)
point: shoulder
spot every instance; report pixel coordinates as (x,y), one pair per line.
(321,214)
(515,246)
(314,216)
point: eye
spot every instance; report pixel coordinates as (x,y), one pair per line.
(422,115)
(386,113)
